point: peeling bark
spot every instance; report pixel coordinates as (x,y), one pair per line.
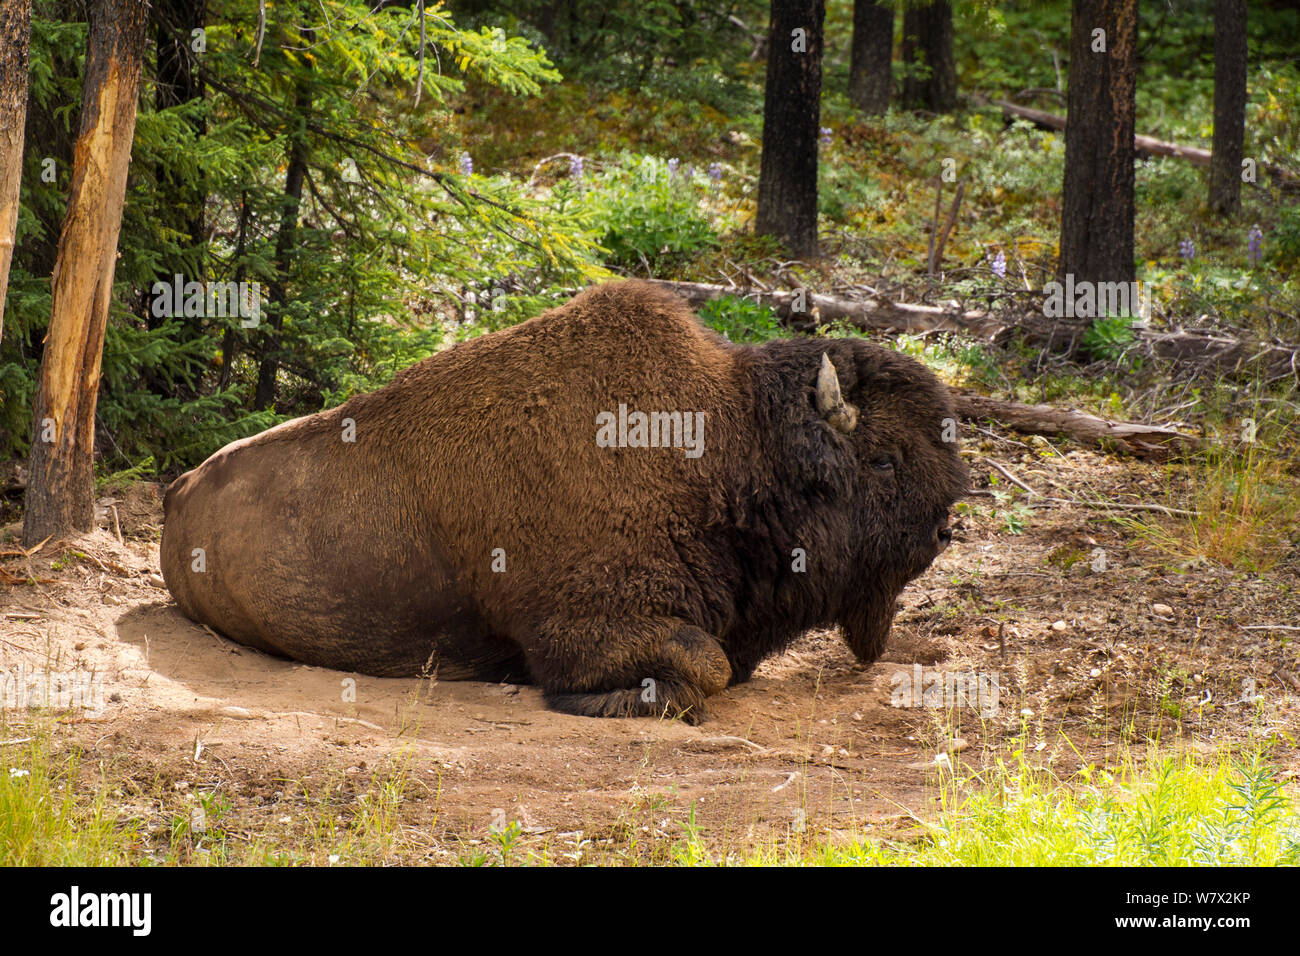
(60,488)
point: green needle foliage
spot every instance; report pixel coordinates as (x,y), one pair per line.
(391,230)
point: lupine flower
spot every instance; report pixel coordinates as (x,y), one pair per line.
(575,167)
(826,135)
(466,165)
(715,172)
(689,172)
(1000,265)
(672,167)
(1187,249)
(1253,248)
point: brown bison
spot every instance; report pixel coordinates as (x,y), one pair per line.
(608,499)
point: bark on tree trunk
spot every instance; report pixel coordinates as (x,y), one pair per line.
(1229,105)
(931,79)
(228,344)
(787,182)
(285,246)
(870,64)
(1097,196)
(60,490)
(15,41)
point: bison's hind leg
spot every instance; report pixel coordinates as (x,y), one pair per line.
(673,683)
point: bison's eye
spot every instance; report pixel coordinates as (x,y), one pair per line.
(882,463)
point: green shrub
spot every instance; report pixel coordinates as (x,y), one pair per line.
(646,217)
(741,320)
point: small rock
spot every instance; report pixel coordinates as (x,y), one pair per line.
(1095,672)
(112,599)
(1162,610)
(1026,712)
(156,580)
(238,713)
(1058,625)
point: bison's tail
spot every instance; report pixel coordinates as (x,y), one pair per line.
(668,700)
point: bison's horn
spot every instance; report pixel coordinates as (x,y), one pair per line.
(838,413)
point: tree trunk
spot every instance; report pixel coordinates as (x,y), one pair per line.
(931,79)
(60,489)
(1097,196)
(228,344)
(285,243)
(787,182)
(872,51)
(1229,105)
(15,41)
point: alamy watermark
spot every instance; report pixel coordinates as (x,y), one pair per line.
(651,430)
(942,690)
(1095,300)
(242,300)
(60,690)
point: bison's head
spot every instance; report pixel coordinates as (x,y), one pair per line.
(884,431)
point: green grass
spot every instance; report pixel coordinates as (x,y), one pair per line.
(1237,500)
(47,818)
(1226,809)
(1167,811)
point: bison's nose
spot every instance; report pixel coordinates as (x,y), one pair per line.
(944,536)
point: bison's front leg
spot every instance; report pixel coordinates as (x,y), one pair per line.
(670,678)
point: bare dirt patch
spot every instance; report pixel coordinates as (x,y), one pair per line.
(1088,662)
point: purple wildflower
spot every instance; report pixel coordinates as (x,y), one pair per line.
(1187,249)
(826,135)
(715,172)
(1253,247)
(575,167)
(466,165)
(1000,265)
(672,167)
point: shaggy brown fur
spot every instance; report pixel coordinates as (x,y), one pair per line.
(636,581)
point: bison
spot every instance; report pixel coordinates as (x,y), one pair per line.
(608,500)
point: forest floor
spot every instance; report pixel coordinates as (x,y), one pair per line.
(1093,661)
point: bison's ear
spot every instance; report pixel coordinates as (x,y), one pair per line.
(838,413)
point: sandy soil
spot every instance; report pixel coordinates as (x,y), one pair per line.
(1086,665)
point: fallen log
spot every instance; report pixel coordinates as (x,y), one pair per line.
(879,314)
(1046,420)
(1146,441)
(1206,350)
(1146,145)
